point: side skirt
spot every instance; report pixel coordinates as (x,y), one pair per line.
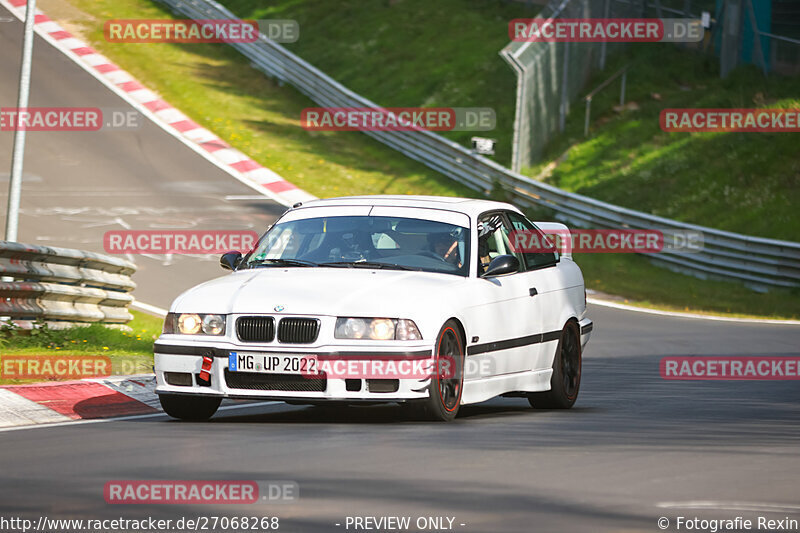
(479,390)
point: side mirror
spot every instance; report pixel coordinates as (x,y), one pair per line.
(230,260)
(500,265)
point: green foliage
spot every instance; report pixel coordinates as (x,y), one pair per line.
(445,53)
(89,339)
(743,182)
(217,87)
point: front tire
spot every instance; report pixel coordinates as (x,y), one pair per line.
(447,381)
(566,378)
(195,408)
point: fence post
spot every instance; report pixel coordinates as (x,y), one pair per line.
(658,8)
(731,36)
(603,45)
(563,108)
(622,89)
(588,116)
(756,37)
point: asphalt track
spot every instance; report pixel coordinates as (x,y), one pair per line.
(635,447)
(78,185)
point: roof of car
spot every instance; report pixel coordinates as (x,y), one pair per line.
(469,206)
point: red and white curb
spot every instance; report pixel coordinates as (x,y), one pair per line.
(147,102)
(88,401)
(58,402)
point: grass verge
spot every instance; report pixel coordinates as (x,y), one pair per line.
(129,352)
(215,86)
(646,285)
(404,53)
(353,40)
(743,182)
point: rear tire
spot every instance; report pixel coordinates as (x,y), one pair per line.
(566,378)
(196,408)
(447,381)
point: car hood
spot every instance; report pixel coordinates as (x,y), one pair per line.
(319,291)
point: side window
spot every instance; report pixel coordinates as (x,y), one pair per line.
(382,241)
(493,240)
(535,258)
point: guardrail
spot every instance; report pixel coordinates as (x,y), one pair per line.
(758,262)
(64,285)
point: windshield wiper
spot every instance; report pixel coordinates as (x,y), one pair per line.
(365,264)
(282,262)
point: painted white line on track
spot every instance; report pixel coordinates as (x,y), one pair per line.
(244,197)
(695,316)
(732,506)
(136,99)
(124,418)
(147,308)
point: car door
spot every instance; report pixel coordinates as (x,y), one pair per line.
(507,312)
(542,267)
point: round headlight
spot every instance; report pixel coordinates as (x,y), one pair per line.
(213,325)
(381,329)
(189,324)
(354,328)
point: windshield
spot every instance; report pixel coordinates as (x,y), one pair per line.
(364,242)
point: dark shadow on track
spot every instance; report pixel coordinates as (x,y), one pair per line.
(623,401)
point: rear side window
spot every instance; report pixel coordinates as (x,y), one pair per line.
(533,259)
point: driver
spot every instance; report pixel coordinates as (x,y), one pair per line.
(446,246)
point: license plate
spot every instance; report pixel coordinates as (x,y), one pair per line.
(272,363)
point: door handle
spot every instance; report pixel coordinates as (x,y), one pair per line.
(532,291)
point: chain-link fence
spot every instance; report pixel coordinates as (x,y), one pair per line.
(550,75)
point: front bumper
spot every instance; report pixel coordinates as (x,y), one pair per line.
(186,360)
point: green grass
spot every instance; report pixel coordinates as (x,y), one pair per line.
(440,53)
(743,182)
(444,53)
(214,85)
(748,183)
(131,352)
(647,285)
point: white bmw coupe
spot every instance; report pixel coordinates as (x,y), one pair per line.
(423,301)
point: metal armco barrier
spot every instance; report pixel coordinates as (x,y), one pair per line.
(760,263)
(64,285)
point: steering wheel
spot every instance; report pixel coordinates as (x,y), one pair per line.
(433,255)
